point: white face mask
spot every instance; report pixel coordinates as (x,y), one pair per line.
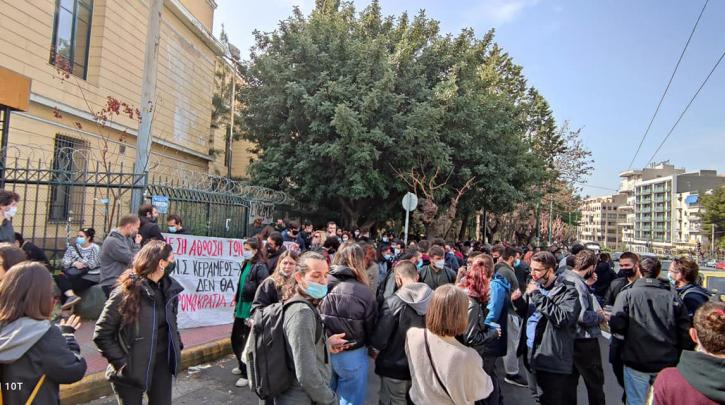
(10,212)
(440,264)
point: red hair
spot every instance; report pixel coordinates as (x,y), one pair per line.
(477,280)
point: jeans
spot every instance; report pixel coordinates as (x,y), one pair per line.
(513,332)
(350,376)
(636,385)
(588,364)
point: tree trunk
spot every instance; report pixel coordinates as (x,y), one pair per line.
(464,225)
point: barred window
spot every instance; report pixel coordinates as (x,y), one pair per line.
(69,162)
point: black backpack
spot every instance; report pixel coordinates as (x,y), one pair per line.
(273,369)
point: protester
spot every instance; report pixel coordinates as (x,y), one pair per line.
(306,234)
(332,230)
(274,249)
(293,235)
(605,275)
(683,274)
(149,230)
(567,261)
(521,269)
(81,268)
(504,258)
(137,331)
(318,238)
(280,226)
(443,370)
(587,355)
(437,273)
(371,264)
(35,355)
(330,246)
(305,337)
(175,225)
(118,250)
(629,268)
(550,330)
(255,227)
(254,272)
(699,378)
(346,237)
(271,289)
(10,255)
(654,324)
(349,308)
(488,300)
(405,309)
(8,207)
(32,251)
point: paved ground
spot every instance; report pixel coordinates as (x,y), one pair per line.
(214,384)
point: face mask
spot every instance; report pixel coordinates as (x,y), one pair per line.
(440,263)
(315,290)
(671,279)
(385,239)
(331,251)
(11,212)
(419,264)
(80,240)
(169,268)
(627,272)
(345,239)
(388,257)
(279,227)
(172,229)
(397,251)
(271,250)
(247,255)
(517,262)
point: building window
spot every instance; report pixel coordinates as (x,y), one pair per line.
(71,35)
(69,162)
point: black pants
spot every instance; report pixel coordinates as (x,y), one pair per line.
(107,290)
(588,364)
(159,390)
(489,366)
(555,389)
(78,285)
(240,333)
(615,359)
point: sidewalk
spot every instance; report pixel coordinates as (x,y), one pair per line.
(201,345)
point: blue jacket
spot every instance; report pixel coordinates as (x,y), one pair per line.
(497,311)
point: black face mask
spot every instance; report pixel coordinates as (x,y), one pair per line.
(627,272)
(279,227)
(271,250)
(588,275)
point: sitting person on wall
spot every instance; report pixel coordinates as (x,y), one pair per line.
(81,268)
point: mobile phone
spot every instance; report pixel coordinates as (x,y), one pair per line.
(350,343)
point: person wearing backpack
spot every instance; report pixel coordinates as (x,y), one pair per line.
(437,273)
(137,331)
(406,308)
(443,370)
(683,274)
(35,355)
(254,272)
(350,308)
(303,375)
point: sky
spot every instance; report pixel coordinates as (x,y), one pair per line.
(602,66)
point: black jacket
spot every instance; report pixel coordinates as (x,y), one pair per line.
(29,349)
(35,254)
(553,349)
(617,285)
(257,274)
(654,323)
(435,279)
(482,337)
(273,258)
(267,294)
(693,296)
(137,345)
(400,312)
(149,231)
(605,276)
(349,307)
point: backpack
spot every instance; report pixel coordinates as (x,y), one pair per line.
(273,369)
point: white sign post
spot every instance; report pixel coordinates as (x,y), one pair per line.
(410,202)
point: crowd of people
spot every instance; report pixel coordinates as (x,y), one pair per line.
(442,322)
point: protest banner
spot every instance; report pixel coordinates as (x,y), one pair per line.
(208,269)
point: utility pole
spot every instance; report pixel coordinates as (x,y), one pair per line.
(551,227)
(231,119)
(538,231)
(712,241)
(148,101)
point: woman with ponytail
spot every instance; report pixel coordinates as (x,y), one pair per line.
(137,331)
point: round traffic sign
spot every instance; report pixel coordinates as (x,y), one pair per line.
(410,202)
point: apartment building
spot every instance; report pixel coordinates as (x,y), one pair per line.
(600,220)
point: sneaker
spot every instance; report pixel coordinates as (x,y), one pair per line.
(236,371)
(241,382)
(516,379)
(70,302)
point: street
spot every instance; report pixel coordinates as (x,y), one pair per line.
(214,384)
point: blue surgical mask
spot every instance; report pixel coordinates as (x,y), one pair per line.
(315,290)
(80,240)
(385,239)
(172,229)
(247,255)
(396,251)
(419,264)
(388,257)
(670,279)
(517,262)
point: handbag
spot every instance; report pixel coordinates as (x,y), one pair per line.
(33,394)
(73,273)
(433,366)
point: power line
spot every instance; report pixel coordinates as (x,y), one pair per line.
(599,187)
(687,107)
(677,65)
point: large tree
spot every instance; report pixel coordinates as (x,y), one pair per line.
(714,215)
(344,108)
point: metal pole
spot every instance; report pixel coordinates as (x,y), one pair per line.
(485,226)
(4,143)
(148,99)
(538,222)
(407,216)
(712,242)
(551,208)
(231,119)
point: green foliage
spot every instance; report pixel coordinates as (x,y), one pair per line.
(340,103)
(714,214)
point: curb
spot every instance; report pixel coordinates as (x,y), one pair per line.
(94,386)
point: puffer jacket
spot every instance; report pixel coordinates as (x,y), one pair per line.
(257,274)
(29,349)
(553,349)
(349,307)
(401,311)
(135,345)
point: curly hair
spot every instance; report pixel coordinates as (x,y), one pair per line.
(144,264)
(477,280)
(709,322)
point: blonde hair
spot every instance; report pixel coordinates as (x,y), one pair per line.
(448,311)
(352,255)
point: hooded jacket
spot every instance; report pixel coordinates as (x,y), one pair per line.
(654,323)
(30,348)
(699,379)
(117,253)
(588,323)
(401,311)
(349,307)
(136,345)
(149,231)
(495,311)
